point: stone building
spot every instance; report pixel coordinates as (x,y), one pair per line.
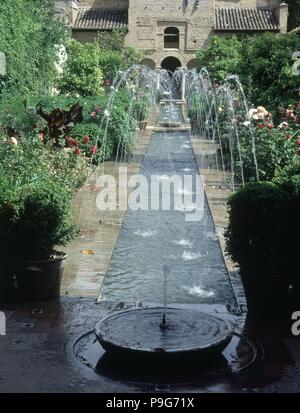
(169,32)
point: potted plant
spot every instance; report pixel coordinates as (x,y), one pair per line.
(260,238)
(34,220)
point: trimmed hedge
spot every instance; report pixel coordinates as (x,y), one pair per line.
(263,226)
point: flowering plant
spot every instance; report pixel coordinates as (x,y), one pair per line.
(276,146)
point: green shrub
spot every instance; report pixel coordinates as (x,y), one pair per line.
(113,40)
(273,151)
(64,102)
(268,76)
(289,177)
(122,129)
(29,35)
(110,62)
(35,219)
(222,57)
(82,74)
(92,143)
(15,119)
(263,63)
(31,161)
(262,227)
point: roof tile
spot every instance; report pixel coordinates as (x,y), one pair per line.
(100,19)
(245,19)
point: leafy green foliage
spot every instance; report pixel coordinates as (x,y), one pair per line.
(113,40)
(275,148)
(82,75)
(264,64)
(93,136)
(223,56)
(110,62)
(267,70)
(29,35)
(259,230)
(60,122)
(36,185)
(91,142)
(35,219)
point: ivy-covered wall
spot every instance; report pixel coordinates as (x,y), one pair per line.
(29,33)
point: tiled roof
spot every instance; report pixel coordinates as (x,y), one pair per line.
(99,19)
(240,19)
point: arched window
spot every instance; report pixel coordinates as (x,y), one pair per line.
(171,38)
(148,62)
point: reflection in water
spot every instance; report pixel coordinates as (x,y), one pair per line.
(240,354)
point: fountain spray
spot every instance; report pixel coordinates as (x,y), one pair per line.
(163,324)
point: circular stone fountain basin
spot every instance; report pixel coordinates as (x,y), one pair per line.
(140,332)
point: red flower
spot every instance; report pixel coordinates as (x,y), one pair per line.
(71,141)
(260,126)
(270,126)
(93,150)
(86,139)
(298,142)
(77,152)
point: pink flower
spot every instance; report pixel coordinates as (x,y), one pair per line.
(298,142)
(86,139)
(98,109)
(270,126)
(77,152)
(41,136)
(93,150)
(260,126)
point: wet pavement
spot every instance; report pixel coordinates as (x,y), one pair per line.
(43,348)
